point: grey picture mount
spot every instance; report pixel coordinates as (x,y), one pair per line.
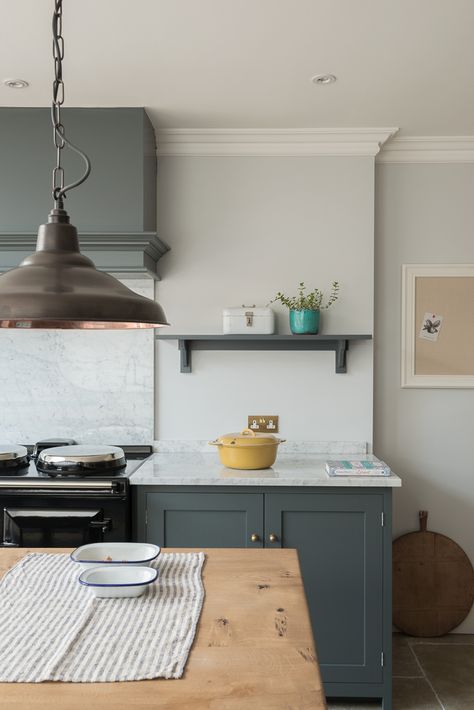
(338,343)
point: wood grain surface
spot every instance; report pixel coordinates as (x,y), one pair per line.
(253,648)
(433,582)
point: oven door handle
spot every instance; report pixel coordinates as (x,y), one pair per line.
(33,485)
(104,525)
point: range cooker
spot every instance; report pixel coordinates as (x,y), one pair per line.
(60,494)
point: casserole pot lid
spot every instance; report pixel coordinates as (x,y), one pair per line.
(247,437)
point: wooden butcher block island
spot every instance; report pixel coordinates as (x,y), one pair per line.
(253,648)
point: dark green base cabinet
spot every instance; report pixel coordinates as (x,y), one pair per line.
(343,537)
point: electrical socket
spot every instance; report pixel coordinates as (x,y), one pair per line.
(263,423)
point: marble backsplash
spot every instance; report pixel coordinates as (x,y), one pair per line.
(94,386)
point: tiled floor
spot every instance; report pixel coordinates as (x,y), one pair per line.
(428,674)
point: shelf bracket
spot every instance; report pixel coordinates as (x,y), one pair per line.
(185,355)
(341,359)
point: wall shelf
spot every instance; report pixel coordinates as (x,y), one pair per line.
(338,343)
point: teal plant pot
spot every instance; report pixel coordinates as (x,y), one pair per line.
(304,322)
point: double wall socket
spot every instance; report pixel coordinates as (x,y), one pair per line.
(263,423)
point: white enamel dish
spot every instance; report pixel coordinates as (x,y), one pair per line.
(119,581)
(115,554)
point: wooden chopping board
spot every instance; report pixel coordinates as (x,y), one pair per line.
(433,582)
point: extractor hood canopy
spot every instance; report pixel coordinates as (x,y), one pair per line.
(130,255)
(58,287)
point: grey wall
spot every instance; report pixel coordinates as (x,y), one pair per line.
(240,230)
(424,214)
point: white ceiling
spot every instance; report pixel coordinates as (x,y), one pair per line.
(248,63)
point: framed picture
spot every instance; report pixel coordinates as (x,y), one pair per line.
(437,325)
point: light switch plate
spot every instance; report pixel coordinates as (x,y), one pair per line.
(264,423)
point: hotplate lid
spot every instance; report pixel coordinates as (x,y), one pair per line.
(13,456)
(81,458)
(48,444)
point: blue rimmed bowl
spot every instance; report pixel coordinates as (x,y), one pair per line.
(114,554)
(119,581)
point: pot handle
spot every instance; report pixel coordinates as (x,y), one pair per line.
(247,431)
(215,443)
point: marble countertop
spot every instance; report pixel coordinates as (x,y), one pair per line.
(205,469)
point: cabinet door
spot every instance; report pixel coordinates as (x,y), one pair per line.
(204,519)
(339,541)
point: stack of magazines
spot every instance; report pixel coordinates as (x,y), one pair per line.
(357,468)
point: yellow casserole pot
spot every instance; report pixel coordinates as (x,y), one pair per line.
(247,450)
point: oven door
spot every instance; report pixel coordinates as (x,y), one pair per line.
(63,513)
(48,527)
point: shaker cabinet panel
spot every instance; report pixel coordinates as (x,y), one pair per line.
(204,519)
(339,541)
(343,540)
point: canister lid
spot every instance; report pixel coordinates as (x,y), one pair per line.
(247,437)
(257,312)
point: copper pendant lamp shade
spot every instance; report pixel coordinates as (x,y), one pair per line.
(58,287)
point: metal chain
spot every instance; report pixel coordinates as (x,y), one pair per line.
(59,136)
(58,97)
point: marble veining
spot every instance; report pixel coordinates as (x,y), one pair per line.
(198,469)
(170,446)
(95,386)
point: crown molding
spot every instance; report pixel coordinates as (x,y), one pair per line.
(428,149)
(297,142)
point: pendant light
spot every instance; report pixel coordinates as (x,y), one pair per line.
(58,287)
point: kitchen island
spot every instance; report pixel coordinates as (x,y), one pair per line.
(341,528)
(253,647)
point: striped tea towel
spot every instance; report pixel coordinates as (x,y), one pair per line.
(53,628)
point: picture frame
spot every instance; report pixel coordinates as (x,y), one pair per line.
(437,339)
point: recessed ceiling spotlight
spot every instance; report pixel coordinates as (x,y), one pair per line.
(324,79)
(16,83)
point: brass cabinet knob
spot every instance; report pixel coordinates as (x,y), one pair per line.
(254,537)
(273,537)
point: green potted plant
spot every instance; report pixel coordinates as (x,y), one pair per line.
(305,308)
